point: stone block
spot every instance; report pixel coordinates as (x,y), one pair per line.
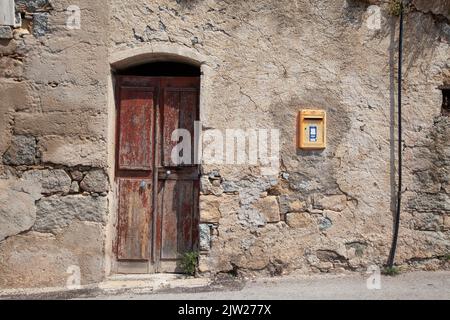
(16,96)
(229,205)
(61,124)
(70,98)
(77,175)
(36,260)
(325,223)
(203,263)
(297,206)
(49,181)
(40,24)
(86,241)
(256,258)
(205,237)
(11,68)
(269,208)
(17,212)
(251,218)
(207,187)
(81,63)
(72,152)
(95,181)
(285,203)
(299,220)
(56,212)
(5,33)
(74,187)
(22,151)
(209,208)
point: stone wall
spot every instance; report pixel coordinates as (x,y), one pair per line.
(328,211)
(54,186)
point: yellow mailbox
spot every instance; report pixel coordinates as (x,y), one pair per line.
(312,129)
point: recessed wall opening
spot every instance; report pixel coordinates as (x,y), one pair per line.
(157,187)
(161,69)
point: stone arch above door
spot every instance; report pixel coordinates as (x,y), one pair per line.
(134,56)
(129,57)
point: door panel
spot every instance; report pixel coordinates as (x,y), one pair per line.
(171,121)
(188,99)
(179,112)
(169,221)
(177,217)
(136,130)
(134,227)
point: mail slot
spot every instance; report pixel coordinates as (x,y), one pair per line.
(312,129)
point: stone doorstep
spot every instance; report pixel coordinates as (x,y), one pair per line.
(152,281)
(116,284)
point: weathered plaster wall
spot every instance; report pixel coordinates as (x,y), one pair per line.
(332,209)
(327,211)
(53,198)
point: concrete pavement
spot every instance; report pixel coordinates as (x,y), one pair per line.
(415,285)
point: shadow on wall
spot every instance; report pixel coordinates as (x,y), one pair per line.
(162,69)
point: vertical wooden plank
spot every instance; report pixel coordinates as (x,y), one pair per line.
(195,214)
(188,115)
(134,226)
(158,216)
(169,220)
(135,129)
(177,218)
(185,216)
(171,119)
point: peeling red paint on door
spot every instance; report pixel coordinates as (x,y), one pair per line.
(135,208)
(136,129)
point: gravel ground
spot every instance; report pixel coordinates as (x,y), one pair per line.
(415,285)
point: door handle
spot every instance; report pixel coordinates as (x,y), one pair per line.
(168,172)
(143,184)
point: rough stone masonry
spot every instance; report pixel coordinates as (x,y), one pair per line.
(328,211)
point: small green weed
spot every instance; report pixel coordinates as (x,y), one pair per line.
(391,271)
(189,262)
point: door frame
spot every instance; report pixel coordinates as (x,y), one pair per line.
(153,265)
(123,58)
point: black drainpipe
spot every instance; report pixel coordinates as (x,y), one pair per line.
(391,258)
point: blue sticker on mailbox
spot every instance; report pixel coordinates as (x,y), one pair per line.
(313,134)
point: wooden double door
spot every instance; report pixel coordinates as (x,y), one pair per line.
(157,195)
